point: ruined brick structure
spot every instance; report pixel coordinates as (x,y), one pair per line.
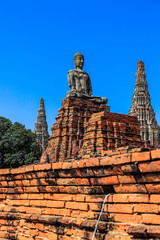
(41,127)
(86,129)
(62,200)
(142,108)
(84,126)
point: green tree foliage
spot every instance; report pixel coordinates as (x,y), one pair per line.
(18,145)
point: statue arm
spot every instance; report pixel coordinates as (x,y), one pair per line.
(70,79)
(89,87)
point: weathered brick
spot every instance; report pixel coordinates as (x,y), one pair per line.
(146,208)
(155,154)
(36,196)
(41,174)
(51,235)
(126,179)
(2,196)
(38,182)
(32,210)
(79,198)
(67,165)
(95,206)
(83,214)
(18,176)
(41,167)
(20,202)
(53,189)
(138,230)
(18,183)
(82,163)
(153,187)
(148,178)
(66,238)
(57,204)
(119,208)
(26,183)
(153,166)
(129,168)
(4,235)
(73,181)
(125,218)
(107,171)
(60,197)
(56,211)
(153,231)
(92,162)
(92,189)
(40,226)
(104,180)
(29,168)
(4,184)
(151,218)
(18,170)
(112,236)
(40,203)
(74,205)
(23,237)
(130,188)
(57,165)
(121,159)
(140,156)
(31,189)
(155,198)
(95,198)
(4,171)
(138,198)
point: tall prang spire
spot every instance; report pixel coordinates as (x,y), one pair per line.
(41,127)
(142,108)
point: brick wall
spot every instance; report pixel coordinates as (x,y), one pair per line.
(62,200)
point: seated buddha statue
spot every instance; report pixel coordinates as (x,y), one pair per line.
(79,82)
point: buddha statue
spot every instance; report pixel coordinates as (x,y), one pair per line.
(79,82)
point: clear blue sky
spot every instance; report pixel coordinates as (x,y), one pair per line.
(39,38)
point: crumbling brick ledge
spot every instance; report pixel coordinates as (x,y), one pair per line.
(62,200)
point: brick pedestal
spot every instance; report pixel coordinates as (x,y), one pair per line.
(68,131)
(86,129)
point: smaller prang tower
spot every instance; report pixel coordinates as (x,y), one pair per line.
(41,127)
(142,108)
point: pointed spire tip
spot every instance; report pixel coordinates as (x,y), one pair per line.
(42,100)
(140,66)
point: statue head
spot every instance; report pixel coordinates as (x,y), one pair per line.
(78,61)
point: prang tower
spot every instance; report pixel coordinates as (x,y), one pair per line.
(41,127)
(142,108)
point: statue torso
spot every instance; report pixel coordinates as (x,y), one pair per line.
(79,80)
(79,74)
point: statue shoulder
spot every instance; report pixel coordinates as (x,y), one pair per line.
(86,73)
(72,71)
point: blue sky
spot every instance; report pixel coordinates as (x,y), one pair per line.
(39,38)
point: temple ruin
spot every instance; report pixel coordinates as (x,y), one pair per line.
(41,127)
(142,108)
